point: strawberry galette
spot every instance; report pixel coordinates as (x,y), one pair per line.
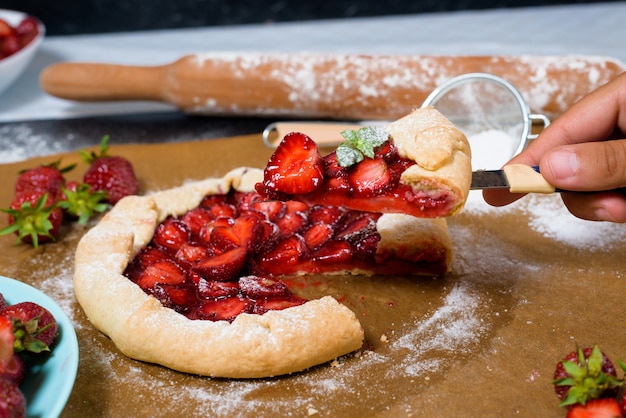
(419,165)
(195,278)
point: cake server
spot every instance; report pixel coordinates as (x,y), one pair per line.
(517,178)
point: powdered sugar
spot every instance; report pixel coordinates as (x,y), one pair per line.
(18,142)
(492,148)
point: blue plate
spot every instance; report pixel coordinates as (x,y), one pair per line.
(47,385)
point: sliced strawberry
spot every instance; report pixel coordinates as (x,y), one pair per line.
(357,226)
(145,257)
(245,201)
(34,327)
(366,246)
(180,297)
(205,232)
(317,235)
(328,215)
(222,267)
(224,309)
(333,252)
(213,289)
(274,209)
(213,199)
(293,206)
(163,271)
(248,229)
(287,251)
(224,238)
(295,167)
(291,223)
(596,408)
(196,219)
(189,253)
(277,303)
(223,210)
(259,287)
(370,177)
(171,234)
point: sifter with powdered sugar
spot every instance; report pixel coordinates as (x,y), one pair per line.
(491,112)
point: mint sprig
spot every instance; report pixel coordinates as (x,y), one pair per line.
(360,144)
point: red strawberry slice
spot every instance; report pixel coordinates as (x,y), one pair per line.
(212,200)
(317,235)
(207,230)
(222,267)
(163,271)
(365,247)
(370,177)
(196,219)
(596,408)
(248,230)
(224,238)
(291,223)
(295,167)
(357,227)
(287,251)
(180,297)
(225,309)
(277,303)
(189,253)
(258,287)
(274,209)
(171,234)
(328,215)
(223,210)
(334,252)
(6,341)
(213,289)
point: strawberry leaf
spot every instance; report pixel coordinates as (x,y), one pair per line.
(348,155)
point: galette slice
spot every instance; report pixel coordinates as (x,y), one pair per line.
(419,165)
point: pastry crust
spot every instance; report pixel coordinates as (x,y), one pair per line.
(252,346)
(441,152)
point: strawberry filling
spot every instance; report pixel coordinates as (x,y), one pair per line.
(371,185)
(227,256)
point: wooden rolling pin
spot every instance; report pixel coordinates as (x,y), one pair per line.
(336,86)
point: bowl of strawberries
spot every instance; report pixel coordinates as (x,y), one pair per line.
(38,352)
(20,36)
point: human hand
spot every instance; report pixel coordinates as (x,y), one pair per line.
(583,151)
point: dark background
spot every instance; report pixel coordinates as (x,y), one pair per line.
(66,17)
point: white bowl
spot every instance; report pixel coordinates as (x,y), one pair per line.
(12,66)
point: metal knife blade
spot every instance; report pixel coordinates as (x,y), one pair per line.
(518,178)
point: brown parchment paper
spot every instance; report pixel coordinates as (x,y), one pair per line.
(480,342)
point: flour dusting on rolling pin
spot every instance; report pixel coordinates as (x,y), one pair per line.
(317,85)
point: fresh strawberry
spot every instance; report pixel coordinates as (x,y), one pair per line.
(585,374)
(196,218)
(248,229)
(222,267)
(6,342)
(262,287)
(224,309)
(334,252)
(224,238)
(113,174)
(295,167)
(15,370)
(34,327)
(180,297)
(45,178)
(328,215)
(207,229)
(34,217)
(163,271)
(213,289)
(370,177)
(189,253)
(80,202)
(171,234)
(274,209)
(223,210)
(12,401)
(596,408)
(287,251)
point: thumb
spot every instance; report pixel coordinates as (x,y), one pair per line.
(586,167)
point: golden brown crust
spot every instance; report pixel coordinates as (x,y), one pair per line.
(252,346)
(441,153)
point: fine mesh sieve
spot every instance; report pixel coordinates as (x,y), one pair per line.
(480,102)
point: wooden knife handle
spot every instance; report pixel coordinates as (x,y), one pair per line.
(99,82)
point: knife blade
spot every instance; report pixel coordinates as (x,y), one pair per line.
(518,178)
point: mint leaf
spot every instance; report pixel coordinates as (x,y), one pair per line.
(348,155)
(360,144)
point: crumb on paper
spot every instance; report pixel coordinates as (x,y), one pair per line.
(311,411)
(384,339)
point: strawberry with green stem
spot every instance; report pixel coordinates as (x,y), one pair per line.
(81,202)
(113,174)
(34,217)
(34,327)
(45,178)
